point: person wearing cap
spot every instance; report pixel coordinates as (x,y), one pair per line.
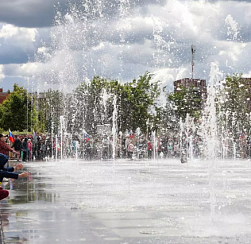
(4,147)
(8,172)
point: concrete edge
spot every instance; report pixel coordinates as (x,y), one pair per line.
(1,231)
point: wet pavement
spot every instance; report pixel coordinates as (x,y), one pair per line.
(129,202)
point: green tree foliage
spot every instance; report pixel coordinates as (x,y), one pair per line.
(85,109)
(17,111)
(187,101)
(142,95)
(234,104)
(50,106)
(92,104)
(169,118)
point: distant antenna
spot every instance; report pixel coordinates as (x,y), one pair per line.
(193,49)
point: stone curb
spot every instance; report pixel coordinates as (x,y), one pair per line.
(1,231)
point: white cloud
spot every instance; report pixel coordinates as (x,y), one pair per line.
(2,76)
(20,70)
(24,71)
(247,75)
(17,44)
(11,33)
(154,38)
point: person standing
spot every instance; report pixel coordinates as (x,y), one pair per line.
(149,149)
(159,146)
(127,142)
(29,149)
(38,148)
(17,145)
(170,148)
(130,149)
(25,148)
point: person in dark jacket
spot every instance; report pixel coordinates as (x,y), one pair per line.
(17,145)
(8,172)
(38,148)
(25,149)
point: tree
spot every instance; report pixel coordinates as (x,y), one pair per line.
(234,104)
(86,109)
(17,111)
(169,118)
(50,106)
(138,103)
(92,104)
(187,100)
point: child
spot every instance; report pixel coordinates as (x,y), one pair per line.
(8,173)
(130,149)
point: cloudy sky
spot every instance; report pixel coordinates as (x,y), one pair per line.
(50,43)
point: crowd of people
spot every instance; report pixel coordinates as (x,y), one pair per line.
(41,147)
(8,172)
(164,146)
(130,146)
(30,147)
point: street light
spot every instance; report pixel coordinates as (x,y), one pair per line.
(61,135)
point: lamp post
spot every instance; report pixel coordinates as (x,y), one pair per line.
(137,144)
(193,49)
(61,135)
(52,142)
(56,147)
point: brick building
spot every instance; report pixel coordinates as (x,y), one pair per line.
(198,84)
(3,95)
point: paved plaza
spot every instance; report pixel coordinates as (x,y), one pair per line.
(125,201)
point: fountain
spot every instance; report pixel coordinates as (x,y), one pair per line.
(168,202)
(61,136)
(69,35)
(114,128)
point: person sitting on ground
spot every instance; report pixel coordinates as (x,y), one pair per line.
(8,172)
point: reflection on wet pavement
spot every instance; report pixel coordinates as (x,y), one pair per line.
(128,202)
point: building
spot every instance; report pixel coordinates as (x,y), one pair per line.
(3,95)
(197,84)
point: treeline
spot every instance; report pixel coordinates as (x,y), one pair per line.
(89,105)
(131,105)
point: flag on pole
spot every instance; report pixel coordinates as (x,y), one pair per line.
(11,137)
(86,136)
